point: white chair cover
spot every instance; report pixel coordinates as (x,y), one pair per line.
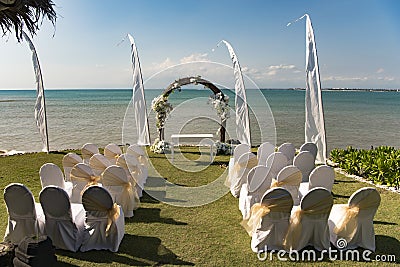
(142,157)
(354,221)
(289,150)
(69,161)
(25,217)
(88,150)
(240,170)
(255,179)
(99,163)
(105,221)
(305,161)
(309,221)
(321,176)
(289,178)
(51,174)
(112,152)
(121,189)
(311,147)
(65,225)
(237,152)
(263,152)
(269,220)
(134,170)
(81,176)
(276,162)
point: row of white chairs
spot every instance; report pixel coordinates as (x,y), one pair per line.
(96,224)
(275,224)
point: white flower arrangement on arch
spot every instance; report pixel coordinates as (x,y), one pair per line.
(220,103)
(162,108)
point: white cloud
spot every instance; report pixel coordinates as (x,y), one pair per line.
(341,78)
(380,70)
(195,57)
(281,67)
(388,79)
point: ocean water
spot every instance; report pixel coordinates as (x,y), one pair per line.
(358,118)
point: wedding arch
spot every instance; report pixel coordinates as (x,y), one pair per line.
(162,107)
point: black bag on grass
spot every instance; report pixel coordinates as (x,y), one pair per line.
(35,251)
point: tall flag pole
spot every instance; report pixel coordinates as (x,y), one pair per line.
(315,123)
(40,105)
(139,102)
(242,112)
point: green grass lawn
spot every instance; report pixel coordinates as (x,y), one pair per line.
(209,235)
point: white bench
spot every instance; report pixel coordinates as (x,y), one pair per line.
(176,137)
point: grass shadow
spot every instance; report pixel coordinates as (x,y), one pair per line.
(385,223)
(133,251)
(342,181)
(335,196)
(387,245)
(151,215)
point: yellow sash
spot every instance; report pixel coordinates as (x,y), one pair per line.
(112,216)
(293,179)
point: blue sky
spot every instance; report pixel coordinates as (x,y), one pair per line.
(358,43)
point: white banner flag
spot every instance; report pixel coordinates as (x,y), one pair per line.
(139,102)
(40,106)
(242,113)
(315,124)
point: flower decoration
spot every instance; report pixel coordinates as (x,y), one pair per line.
(223,148)
(160,147)
(220,103)
(162,108)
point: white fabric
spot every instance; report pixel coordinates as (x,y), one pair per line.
(305,162)
(255,179)
(64,225)
(112,152)
(284,174)
(80,174)
(365,235)
(289,150)
(139,102)
(322,176)
(276,162)
(69,161)
(25,217)
(242,113)
(141,156)
(88,150)
(134,170)
(237,152)
(116,181)
(315,124)
(98,163)
(96,201)
(264,151)
(51,174)
(274,225)
(40,105)
(311,147)
(315,231)
(239,174)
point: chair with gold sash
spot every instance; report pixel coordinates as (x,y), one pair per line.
(69,161)
(82,176)
(353,222)
(114,179)
(264,151)
(105,221)
(99,163)
(321,176)
(134,171)
(65,222)
(237,152)
(289,150)
(309,221)
(51,174)
(276,162)
(256,177)
(112,152)
(269,220)
(305,161)
(88,150)
(142,157)
(240,170)
(289,178)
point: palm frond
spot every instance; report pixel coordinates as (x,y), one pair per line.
(15,14)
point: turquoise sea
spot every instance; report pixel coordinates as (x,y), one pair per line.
(352,118)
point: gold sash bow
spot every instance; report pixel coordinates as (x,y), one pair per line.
(347,225)
(112,216)
(292,180)
(257,211)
